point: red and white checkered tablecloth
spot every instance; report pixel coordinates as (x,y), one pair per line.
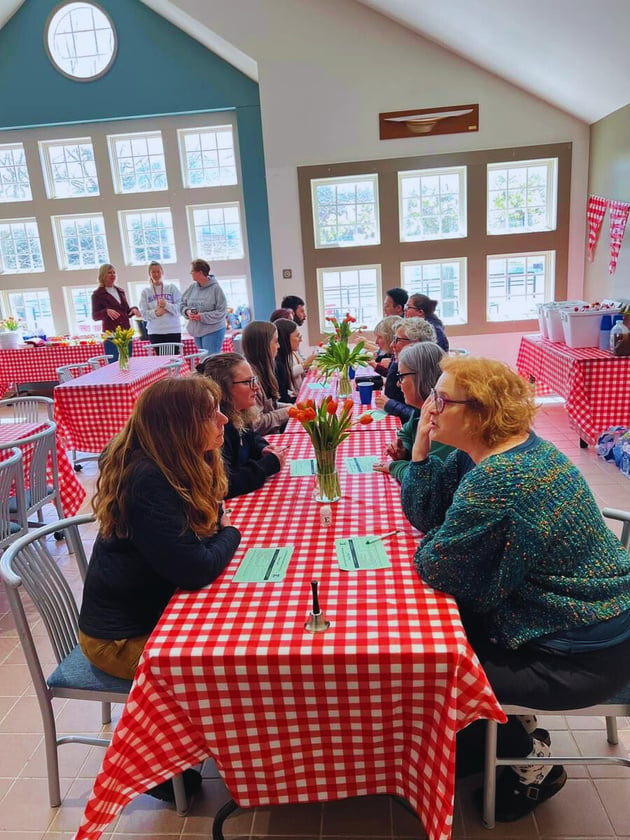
(370,706)
(595,384)
(71,491)
(39,364)
(92,408)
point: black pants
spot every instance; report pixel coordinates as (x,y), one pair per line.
(167,338)
(534,678)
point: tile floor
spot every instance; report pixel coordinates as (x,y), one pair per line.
(595,803)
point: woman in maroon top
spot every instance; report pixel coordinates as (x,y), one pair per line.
(110,306)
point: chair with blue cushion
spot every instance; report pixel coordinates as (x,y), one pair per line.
(610,709)
(27,566)
(13,523)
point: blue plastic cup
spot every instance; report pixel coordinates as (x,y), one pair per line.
(365,392)
(351,372)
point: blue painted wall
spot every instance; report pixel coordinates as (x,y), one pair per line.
(159,70)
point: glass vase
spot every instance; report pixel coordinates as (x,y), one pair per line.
(328,489)
(344,388)
(123,357)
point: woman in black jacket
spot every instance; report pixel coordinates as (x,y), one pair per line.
(248,458)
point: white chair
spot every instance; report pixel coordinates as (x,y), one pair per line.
(99,361)
(610,709)
(173,368)
(13,524)
(167,349)
(66,373)
(195,359)
(27,566)
(28,409)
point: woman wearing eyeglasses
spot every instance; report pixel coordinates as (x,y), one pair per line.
(248,458)
(421,306)
(410,331)
(542,584)
(418,371)
(260,347)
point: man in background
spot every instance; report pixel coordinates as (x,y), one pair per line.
(394,303)
(296,304)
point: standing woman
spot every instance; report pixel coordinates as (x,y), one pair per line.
(248,458)
(159,303)
(204,305)
(421,306)
(110,306)
(260,347)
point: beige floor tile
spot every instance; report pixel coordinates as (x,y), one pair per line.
(615,794)
(368,816)
(26,806)
(15,750)
(576,811)
(289,820)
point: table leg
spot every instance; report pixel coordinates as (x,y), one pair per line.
(220,817)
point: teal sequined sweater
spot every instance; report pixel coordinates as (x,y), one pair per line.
(518,538)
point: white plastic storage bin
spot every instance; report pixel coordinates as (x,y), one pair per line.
(581,329)
(551,317)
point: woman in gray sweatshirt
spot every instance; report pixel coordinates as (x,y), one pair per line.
(205,307)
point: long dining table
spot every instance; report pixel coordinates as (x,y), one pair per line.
(370,706)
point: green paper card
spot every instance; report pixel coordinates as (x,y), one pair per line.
(361,465)
(377,414)
(264,565)
(315,386)
(355,554)
(303,466)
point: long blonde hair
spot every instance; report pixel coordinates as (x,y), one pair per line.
(168,426)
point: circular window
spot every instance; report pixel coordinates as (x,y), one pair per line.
(81,41)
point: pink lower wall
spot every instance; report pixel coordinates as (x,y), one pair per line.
(501,346)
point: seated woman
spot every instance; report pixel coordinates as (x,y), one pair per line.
(249,460)
(421,306)
(289,371)
(542,584)
(384,333)
(418,371)
(409,331)
(259,343)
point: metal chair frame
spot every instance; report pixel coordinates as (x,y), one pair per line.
(28,409)
(195,359)
(28,566)
(99,361)
(174,367)
(66,373)
(13,523)
(174,348)
(609,709)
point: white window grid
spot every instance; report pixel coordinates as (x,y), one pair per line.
(522,196)
(443,280)
(236,291)
(216,231)
(432,204)
(147,235)
(80,240)
(138,163)
(78,306)
(516,283)
(15,183)
(32,307)
(20,247)
(207,156)
(135,288)
(81,40)
(354,289)
(346,211)
(69,168)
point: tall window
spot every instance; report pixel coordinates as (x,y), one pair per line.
(216,232)
(516,283)
(522,196)
(207,156)
(148,235)
(345,211)
(138,162)
(441,280)
(14,181)
(353,289)
(20,248)
(32,307)
(78,303)
(80,241)
(69,168)
(432,204)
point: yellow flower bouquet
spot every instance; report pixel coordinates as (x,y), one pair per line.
(338,355)
(122,339)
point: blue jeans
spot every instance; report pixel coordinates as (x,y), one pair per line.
(211,341)
(110,348)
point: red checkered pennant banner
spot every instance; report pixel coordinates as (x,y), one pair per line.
(618,217)
(595,216)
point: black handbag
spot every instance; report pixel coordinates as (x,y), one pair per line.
(375,378)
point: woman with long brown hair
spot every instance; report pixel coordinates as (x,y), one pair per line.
(161,524)
(260,347)
(248,458)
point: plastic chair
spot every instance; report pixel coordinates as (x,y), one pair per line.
(28,566)
(98,361)
(29,409)
(167,349)
(173,368)
(611,709)
(195,359)
(66,373)
(13,525)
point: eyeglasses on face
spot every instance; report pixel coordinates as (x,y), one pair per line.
(401,376)
(397,339)
(409,306)
(253,382)
(440,402)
